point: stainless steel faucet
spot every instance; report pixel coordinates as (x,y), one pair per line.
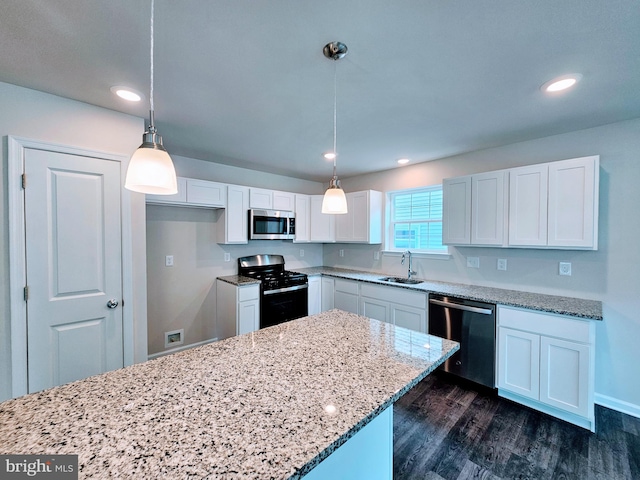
(410,272)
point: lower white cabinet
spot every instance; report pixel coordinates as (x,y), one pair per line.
(546,362)
(398,306)
(237,309)
(345,295)
(327,285)
(314,293)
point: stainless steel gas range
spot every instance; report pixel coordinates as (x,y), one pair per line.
(283,294)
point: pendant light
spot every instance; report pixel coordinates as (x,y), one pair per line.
(150,168)
(334,201)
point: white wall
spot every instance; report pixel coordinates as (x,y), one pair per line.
(611,274)
(40,116)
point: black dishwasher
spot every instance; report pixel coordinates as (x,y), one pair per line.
(473,325)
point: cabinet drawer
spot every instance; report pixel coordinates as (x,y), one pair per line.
(251,292)
(545,324)
(346,286)
(394,295)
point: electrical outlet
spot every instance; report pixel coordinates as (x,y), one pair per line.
(227,257)
(565,269)
(341,253)
(173,338)
(473,262)
(168,261)
(502,264)
(301,252)
(376,255)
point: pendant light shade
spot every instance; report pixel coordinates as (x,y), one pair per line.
(334,201)
(150,168)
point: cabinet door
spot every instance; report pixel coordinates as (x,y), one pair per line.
(327,293)
(345,301)
(573,203)
(519,362)
(408,317)
(261,198)
(314,295)
(344,222)
(456,211)
(564,375)
(373,308)
(202,192)
(528,205)
(179,198)
(322,226)
(248,316)
(236,219)
(487,208)
(303,224)
(284,201)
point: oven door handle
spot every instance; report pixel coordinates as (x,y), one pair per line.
(285,289)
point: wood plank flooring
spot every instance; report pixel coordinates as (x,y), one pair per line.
(448,430)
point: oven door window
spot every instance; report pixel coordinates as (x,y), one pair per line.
(280,307)
(270,225)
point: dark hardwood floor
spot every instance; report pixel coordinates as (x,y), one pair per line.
(444,429)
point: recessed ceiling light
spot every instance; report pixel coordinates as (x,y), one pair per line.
(127,93)
(403,161)
(329,155)
(561,83)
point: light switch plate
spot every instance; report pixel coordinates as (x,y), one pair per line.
(302,252)
(565,268)
(341,253)
(376,255)
(502,264)
(473,262)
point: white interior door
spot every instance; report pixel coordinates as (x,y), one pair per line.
(74,267)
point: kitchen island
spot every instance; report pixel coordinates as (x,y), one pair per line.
(269,404)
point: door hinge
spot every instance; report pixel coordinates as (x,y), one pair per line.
(24,180)
(26,293)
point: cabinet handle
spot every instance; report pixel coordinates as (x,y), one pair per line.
(483,311)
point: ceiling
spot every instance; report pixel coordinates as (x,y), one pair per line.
(245,82)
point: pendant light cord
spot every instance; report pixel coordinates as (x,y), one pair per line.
(151,73)
(335,114)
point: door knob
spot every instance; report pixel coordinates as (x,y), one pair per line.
(113,303)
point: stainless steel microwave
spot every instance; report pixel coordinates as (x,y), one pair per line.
(271,225)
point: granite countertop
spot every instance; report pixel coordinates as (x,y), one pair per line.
(251,406)
(577,307)
(239,280)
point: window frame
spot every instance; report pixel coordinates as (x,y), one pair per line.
(390,223)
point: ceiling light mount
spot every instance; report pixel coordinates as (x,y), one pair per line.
(562,83)
(335,50)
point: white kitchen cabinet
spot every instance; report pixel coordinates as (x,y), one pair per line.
(573,203)
(546,362)
(528,205)
(363,221)
(232,222)
(327,284)
(237,308)
(271,199)
(323,226)
(488,208)
(194,193)
(345,295)
(314,295)
(456,211)
(398,306)
(303,218)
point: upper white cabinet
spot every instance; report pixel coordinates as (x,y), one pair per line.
(474,210)
(456,211)
(549,205)
(194,193)
(303,218)
(233,221)
(322,226)
(271,199)
(555,205)
(363,221)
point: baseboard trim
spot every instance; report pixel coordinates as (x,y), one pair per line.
(180,349)
(617,405)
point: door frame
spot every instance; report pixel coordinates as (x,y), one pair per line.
(17,253)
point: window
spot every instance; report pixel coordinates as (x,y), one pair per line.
(416,220)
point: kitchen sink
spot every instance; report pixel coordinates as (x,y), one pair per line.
(407,281)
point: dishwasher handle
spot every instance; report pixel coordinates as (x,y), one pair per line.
(457,306)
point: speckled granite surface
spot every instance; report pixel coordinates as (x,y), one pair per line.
(238,280)
(251,406)
(577,307)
